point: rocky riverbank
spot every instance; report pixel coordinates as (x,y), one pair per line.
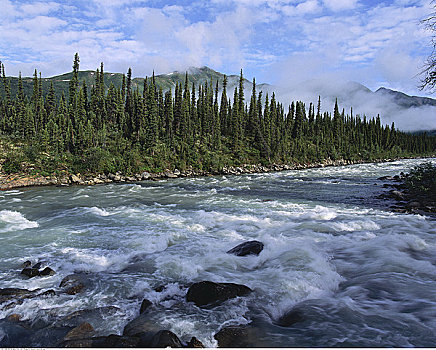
(8,182)
(406,201)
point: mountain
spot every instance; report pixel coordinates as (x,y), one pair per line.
(166,81)
(404,100)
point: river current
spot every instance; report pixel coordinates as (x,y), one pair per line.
(361,274)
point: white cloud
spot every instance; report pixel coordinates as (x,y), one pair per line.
(339,5)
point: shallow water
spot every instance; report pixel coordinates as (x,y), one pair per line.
(360,274)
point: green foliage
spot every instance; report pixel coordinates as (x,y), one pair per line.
(111,123)
(12,164)
(422,180)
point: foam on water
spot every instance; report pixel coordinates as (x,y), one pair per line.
(14,221)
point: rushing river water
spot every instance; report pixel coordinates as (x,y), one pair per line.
(360,274)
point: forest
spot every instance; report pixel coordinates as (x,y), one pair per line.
(99,129)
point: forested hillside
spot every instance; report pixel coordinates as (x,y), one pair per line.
(106,123)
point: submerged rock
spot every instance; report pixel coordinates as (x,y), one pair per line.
(207,293)
(247,248)
(73,284)
(93,316)
(291,317)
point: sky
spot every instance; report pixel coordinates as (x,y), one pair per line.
(376,43)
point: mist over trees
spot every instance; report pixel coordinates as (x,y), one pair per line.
(105,129)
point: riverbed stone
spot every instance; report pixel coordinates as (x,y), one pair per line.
(145,305)
(47,272)
(195,343)
(27,263)
(247,248)
(291,317)
(30,272)
(235,337)
(73,284)
(84,330)
(207,293)
(162,339)
(141,324)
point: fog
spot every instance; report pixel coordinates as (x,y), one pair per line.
(362,100)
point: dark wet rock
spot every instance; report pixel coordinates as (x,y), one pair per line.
(291,317)
(385,178)
(247,248)
(15,334)
(25,264)
(159,339)
(14,318)
(413,204)
(37,265)
(164,339)
(84,330)
(119,341)
(11,293)
(47,293)
(160,288)
(96,342)
(47,272)
(141,324)
(145,305)
(73,284)
(195,343)
(93,316)
(235,337)
(207,293)
(30,272)
(398,195)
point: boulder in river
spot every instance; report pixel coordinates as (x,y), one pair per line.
(164,339)
(47,272)
(73,284)
(195,343)
(291,317)
(11,293)
(27,263)
(236,337)
(145,305)
(247,248)
(207,293)
(30,272)
(84,330)
(139,325)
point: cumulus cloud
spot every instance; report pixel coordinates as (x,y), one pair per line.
(286,42)
(338,5)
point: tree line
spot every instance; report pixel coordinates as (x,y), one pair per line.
(94,129)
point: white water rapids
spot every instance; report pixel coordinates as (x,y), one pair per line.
(361,274)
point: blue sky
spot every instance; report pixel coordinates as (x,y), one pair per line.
(377,43)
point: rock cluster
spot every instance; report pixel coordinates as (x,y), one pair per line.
(8,182)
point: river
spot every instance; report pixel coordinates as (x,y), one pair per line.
(360,274)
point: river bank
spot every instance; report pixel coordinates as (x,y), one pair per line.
(12,181)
